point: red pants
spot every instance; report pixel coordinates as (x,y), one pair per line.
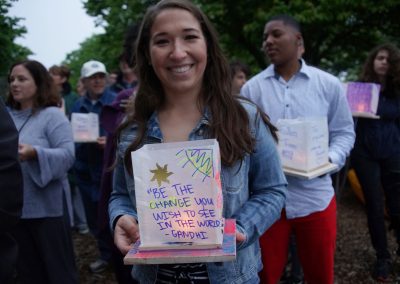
(315,236)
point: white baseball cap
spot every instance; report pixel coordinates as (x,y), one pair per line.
(92,67)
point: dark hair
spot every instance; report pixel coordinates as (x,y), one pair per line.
(287,20)
(229,120)
(62,71)
(237,66)
(393,75)
(46,93)
(128,47)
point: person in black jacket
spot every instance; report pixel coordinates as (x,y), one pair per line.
(10,194)
(376,154)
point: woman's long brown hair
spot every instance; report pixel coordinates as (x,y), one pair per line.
(229,120)
(393,75)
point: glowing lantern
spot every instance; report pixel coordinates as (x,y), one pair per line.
(303,143)
(178,195)
(85,127)
(363,98)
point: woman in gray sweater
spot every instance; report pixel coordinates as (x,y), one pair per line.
(46,152)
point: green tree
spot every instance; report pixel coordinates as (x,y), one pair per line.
(337,33)
(10,52)
(115,16)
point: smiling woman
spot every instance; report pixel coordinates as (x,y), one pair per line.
(178,53)
(185,94)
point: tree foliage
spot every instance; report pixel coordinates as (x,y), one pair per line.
(337,33)
(10,52)
(115,16)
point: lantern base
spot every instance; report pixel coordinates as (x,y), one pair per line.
(226,253)
(326,169)
(365,115)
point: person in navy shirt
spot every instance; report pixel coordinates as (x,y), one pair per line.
(376,154)
(89,156)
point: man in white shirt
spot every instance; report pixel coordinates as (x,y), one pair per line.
(288,89)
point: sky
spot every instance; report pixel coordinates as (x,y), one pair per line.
(54,27)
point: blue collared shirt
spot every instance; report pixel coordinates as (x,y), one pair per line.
(311,92)
(253,191)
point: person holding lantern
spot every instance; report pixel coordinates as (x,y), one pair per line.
(289,89)
(185,94)
(376,154)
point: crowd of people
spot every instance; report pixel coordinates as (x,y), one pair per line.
(175,84)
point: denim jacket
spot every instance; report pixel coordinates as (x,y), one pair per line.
(254,191)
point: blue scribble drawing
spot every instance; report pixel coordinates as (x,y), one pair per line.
(201,160)
(288,154)
(288,143)
(288,131)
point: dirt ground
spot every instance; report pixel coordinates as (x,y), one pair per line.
(354,254)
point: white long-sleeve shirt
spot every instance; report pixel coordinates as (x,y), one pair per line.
(309,93)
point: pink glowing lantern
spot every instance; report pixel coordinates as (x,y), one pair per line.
(179,195)
(85,127)
(363,98)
